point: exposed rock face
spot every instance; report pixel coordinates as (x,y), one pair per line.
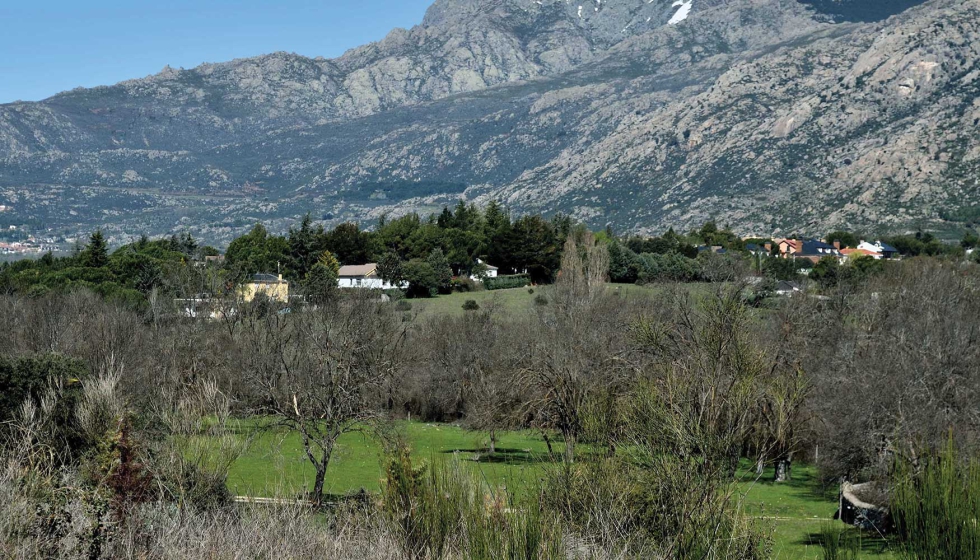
(769,115)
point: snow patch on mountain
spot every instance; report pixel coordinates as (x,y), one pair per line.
(683,10)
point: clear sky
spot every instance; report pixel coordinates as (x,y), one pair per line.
(48,46)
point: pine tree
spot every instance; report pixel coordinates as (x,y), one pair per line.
(96,254)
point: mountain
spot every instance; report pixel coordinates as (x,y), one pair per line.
(768,115)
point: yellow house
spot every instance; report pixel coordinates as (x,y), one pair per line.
(274,287)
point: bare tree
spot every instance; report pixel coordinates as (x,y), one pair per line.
(323,373)
(708,377)
(574,351)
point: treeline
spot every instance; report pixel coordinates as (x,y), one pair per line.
(431,255)
(128,274)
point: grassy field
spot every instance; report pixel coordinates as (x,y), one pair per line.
(275,466)
(520,300)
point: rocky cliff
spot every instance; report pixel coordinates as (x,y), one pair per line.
(769,115)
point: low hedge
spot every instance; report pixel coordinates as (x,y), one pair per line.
(507,282)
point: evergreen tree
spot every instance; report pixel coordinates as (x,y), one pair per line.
(96,254)
(441,268)
(321,281)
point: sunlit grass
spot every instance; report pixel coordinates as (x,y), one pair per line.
(276,466)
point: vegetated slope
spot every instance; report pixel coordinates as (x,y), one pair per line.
(766,114)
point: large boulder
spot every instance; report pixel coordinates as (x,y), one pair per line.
(857,506)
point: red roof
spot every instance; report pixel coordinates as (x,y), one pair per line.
(859,253)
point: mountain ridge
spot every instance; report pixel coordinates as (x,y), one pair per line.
(636,130)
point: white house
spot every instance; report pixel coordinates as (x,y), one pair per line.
(362,276)
(484,270)
(883,249)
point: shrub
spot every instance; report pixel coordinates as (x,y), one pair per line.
(463,284)
(471,305)
(506,282)
(540,300)
(403,305)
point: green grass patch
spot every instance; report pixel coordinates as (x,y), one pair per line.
(521,300)
(798,510)
(275,464)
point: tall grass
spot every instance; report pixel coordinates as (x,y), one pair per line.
(442,511)
(936,508)
(839,542)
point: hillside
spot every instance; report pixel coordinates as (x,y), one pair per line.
(770,115)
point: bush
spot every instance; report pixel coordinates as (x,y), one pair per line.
(507,282)
(463,284)
(540,300)
(671,267)
(471,305)
(403,305)
(530,291)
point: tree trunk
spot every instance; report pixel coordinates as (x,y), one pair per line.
(760,465)
(493,442)
(569,448)
(784,466)
(321,473)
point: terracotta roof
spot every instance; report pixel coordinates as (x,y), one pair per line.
(859,253)
(358,270)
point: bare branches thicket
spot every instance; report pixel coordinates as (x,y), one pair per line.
(706,381)
(577,350)
(898,370)
(475,358)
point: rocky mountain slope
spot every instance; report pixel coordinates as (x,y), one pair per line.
(769,115)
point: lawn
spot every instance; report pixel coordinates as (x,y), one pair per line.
(521,300)
(275,466)
(797,509)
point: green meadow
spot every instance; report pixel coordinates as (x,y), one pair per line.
(275,466)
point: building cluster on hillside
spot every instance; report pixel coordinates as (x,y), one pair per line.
(30,246)
(815,249)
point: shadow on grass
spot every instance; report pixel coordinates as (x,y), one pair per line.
(503,456)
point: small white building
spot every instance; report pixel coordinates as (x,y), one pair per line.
(484,270)
(883,249)
(362,276)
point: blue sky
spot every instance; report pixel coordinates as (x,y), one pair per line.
(48,46)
